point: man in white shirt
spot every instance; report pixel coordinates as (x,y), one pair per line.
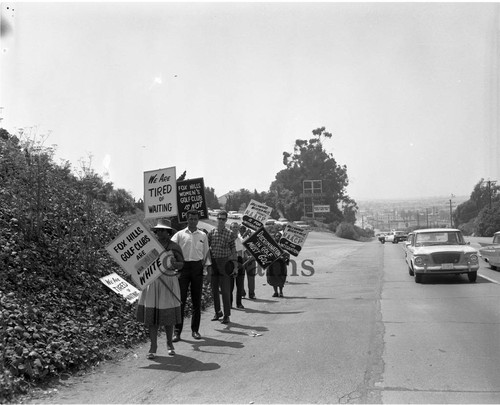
(194,245)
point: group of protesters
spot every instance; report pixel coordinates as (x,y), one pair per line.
(191,254)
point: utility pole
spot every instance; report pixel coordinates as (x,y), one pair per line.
(490,182)
(451,218)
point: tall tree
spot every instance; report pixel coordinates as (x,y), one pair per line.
(211,197)
(310,161)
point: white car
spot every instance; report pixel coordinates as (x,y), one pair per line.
(490,252)
(282,221)
(301,224)
(440,251)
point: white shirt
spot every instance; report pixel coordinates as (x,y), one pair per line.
(239,245)
(194,245)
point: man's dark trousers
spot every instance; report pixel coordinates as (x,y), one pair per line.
(191,274)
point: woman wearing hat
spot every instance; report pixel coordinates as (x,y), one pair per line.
(159,303)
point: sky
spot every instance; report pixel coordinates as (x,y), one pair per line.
(409,91)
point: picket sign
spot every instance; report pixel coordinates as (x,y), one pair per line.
(256,214)
(139,253)
(121,286)
(160,193)
(292,239)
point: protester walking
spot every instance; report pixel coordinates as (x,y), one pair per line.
(224,262)
(276,273)
(249,266)
(159,303)
(239,278)
(195,249)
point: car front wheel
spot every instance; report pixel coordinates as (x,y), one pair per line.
(418,277)
(472,276)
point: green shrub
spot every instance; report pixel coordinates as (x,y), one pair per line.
(347,231)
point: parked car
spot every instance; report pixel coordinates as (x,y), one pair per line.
(301,224)
(491,252)
(381,237)
(282,221)
(440,251)
(270,222)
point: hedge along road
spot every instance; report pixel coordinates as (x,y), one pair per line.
(321,343)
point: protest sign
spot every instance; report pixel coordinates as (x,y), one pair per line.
(120,286)
(293,239)
(138,252)
(160,193)
(256,214)
(263,247)
(191,196)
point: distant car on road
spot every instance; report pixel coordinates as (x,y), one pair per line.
(396,236)
(381,237)
(491,252)
(399,236)
(440,251)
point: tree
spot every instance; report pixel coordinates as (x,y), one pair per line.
(479,199)
(488,220)
(238,200)
(121,202)
(211,198)
(309,161)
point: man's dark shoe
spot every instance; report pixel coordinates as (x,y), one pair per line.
(217,316)
(252,297)
(225,320)
(240,306)
(196,335)
(176,337)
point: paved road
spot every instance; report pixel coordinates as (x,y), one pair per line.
(441,338)
(358,330)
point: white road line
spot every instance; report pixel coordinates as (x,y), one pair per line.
(489,279)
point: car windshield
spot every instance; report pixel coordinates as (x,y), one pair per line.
(496,239)
(438,238)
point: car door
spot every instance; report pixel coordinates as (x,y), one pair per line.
(406,243)
(409,248)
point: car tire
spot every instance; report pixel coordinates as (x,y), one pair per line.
(418,278)
(410,271)
(472,276)
(493,267)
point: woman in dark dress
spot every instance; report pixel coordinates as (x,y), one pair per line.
(276,273)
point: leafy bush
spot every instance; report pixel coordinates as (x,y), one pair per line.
(55,314)
(347,231)
(488,221)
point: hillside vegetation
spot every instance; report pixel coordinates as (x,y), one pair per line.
(56,316)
